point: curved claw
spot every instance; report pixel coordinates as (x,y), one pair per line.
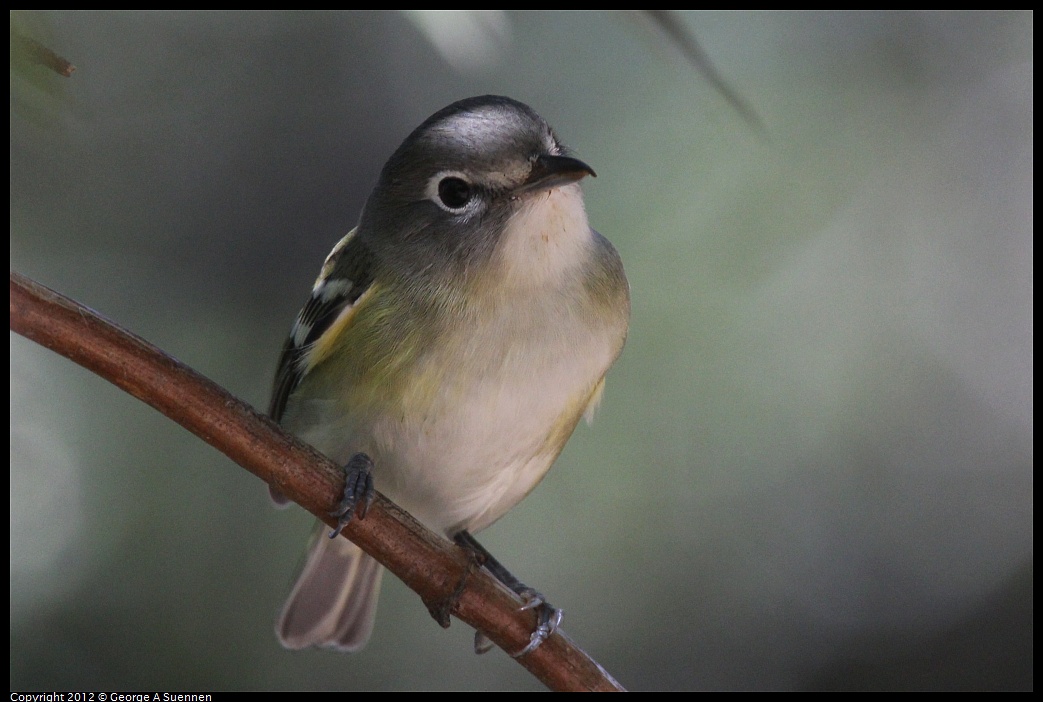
(359,492)
(482,644)
(549,618)
(533,599)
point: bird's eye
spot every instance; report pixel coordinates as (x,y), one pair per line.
(454,192)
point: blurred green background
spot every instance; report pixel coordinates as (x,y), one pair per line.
(813,465)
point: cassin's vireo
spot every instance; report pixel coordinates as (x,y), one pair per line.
(451,343)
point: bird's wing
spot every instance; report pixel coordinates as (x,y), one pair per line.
(346,275)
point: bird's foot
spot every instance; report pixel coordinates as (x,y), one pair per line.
(548,619)
(359,492)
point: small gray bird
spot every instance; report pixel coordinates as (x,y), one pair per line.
(450,346)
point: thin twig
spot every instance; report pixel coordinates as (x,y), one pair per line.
(667,22)
(430,565)
(38,53)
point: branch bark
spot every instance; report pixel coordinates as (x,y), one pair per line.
(433,567)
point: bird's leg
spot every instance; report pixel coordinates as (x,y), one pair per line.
(548,617)
(441,609)
(358,491)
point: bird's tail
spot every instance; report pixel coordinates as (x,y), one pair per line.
(334,602)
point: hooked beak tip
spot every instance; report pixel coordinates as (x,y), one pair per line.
(550,171)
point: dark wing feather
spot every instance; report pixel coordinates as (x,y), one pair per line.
(347,273)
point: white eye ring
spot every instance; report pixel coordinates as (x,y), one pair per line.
(452,191)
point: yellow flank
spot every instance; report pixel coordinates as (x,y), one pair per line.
(566,424)
(594,402)
(370,357)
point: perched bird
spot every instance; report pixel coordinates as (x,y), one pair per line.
(451,344)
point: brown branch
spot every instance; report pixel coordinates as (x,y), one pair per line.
(433,567)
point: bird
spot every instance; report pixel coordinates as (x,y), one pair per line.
(450,345)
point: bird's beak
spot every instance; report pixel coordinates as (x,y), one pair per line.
(550,172)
